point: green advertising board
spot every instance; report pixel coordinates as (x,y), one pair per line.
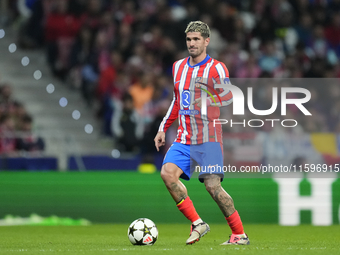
(112,197)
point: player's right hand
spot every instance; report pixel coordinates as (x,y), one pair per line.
(159,140)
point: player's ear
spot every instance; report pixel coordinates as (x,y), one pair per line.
(206,41)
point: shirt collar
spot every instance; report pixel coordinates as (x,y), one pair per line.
(200,63)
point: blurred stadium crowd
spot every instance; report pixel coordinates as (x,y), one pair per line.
(16,136)
(119,53)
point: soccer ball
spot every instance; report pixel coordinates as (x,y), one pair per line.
(143,232)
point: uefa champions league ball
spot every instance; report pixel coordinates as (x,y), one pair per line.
(143,232)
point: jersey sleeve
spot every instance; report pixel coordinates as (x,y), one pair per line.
(170,116)
(221,76)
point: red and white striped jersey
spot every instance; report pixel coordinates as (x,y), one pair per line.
(190,83)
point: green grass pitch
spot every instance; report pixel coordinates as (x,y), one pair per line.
(112,239)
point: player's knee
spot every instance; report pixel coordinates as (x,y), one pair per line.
(211,186)
(167,173)
(164,174)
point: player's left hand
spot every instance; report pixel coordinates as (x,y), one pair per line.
(198,101)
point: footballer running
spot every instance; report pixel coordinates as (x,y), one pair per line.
(198,141)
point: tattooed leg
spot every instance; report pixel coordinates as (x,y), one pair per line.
(222,198)
(170,174)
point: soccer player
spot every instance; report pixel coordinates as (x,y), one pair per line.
(199,140)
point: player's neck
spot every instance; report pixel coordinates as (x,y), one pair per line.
(195,60)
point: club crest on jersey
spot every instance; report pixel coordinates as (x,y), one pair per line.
(198,82)
(186,98)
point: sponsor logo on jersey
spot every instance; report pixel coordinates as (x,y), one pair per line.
(188,112)
(186,98)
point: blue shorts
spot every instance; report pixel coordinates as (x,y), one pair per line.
(205,158)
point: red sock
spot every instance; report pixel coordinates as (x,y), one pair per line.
(235,223)
(187,208)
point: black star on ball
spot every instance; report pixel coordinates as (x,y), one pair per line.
(131,230)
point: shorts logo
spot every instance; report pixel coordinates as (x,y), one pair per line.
(186,98)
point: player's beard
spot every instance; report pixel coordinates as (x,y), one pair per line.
(196,53)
